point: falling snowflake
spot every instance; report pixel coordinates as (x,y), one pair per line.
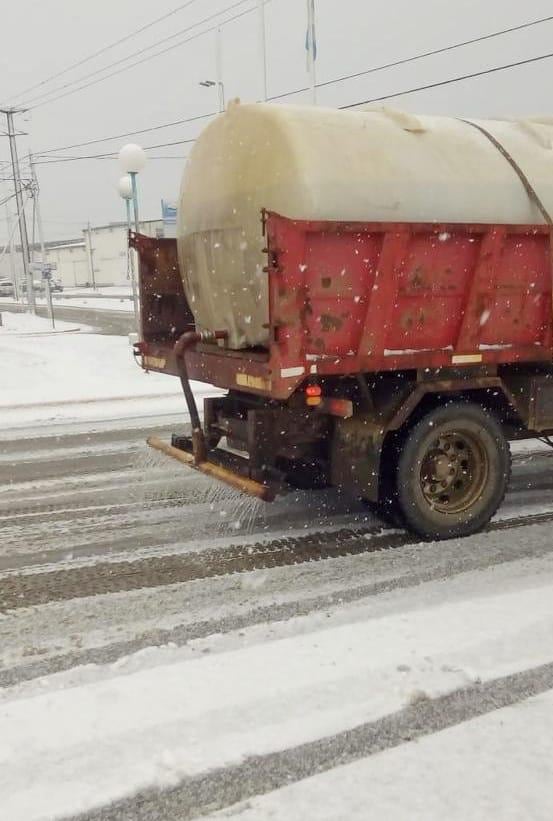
(484,317)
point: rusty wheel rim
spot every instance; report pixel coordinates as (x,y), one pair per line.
(454,472)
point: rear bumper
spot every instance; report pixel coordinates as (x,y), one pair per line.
(214,466)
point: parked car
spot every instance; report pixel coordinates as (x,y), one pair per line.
(37,286)
(7,287)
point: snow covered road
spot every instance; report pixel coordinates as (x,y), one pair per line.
(169,648)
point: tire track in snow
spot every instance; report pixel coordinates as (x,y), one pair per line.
(201,795)
(225,604)
(26,590)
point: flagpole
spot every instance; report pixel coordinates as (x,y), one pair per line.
(263,46)
(312,49)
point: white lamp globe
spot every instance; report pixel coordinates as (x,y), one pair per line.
(132,158)
(124,186)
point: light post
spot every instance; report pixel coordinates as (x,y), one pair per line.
(132,160)
(125,189)
(218,73)
(220,92)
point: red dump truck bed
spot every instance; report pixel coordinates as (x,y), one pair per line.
(348,298)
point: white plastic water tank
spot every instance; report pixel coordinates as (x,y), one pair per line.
(319,163)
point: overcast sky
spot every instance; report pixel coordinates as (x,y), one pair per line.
(41,39)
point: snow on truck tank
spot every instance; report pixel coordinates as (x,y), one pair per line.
(315,163)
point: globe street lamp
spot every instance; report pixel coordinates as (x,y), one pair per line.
(132,160)
(125,188)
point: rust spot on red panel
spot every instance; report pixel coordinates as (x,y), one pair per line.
(331,323)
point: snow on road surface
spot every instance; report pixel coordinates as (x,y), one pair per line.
(97,733)
(497,766)
(77,376)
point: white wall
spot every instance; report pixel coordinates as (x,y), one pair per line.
(71,264)
(109,253)
(109,250)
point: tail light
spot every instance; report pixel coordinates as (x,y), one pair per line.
(313,395)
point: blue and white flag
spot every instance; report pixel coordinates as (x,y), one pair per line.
(168,212)
(311,35)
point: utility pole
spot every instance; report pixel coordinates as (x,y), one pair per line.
(45,269)
(263,47)
(13,266)
(90,254)
(9,112)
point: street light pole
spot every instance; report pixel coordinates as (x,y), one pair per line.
(125,191)
(219,70)
(132,160)
(132,175)
(9,112)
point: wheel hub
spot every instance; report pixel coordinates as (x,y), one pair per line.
(453,471)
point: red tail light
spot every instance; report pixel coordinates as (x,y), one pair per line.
(313,394)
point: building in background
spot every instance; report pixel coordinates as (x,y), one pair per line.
(97,258)
(106,247)
(70,260)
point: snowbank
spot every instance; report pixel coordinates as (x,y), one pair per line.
(78,376)
(26,324)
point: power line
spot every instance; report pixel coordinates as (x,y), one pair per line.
(131,134)
(103,50)
(137,53)
(415,57)
(109,155)
(472,76)
(343,78)
(442,50)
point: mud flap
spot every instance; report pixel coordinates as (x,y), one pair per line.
(356,455)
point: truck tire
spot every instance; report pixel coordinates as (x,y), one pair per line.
(453,471)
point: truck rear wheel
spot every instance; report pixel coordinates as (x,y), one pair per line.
(453,471)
